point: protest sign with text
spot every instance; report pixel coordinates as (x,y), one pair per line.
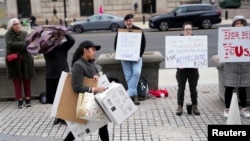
(186,51)
(234,44)
(128,45)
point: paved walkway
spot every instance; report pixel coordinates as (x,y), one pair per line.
(155,119)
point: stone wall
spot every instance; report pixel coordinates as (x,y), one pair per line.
(37,83)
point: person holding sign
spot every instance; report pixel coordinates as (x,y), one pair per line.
(187,74)
(132,68)
(83,65)
(237,75)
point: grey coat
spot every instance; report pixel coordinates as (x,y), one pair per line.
(236,74)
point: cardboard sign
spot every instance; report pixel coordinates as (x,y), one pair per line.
(186,52)
(128,45)
(65,102)
(234,44)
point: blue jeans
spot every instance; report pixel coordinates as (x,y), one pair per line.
(132,72)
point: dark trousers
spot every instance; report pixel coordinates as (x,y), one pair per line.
(51,86)
(182,76)
(18,88)
(242,96)
(103,133)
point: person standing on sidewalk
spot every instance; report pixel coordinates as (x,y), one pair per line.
(56,62)
(54,14)
(187,74)
(83,65)
(135,7)
(237,75)
(132,69)
(21,70)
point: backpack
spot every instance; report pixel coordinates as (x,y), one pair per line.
(142,88)
(42,98)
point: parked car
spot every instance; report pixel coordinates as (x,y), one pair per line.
(97,22)
(200,15)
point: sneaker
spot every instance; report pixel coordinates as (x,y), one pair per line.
(20,104)
(27,103)
(245,113)
(226,111)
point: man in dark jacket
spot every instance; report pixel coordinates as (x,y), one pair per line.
(132,69)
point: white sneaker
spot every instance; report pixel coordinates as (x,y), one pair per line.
(245,113)
(226,111)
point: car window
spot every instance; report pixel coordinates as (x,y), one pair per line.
(206,7)
(181,10)
(94,18)
(106,17)
(194,8)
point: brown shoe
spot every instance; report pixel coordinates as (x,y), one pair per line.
(195,110)
(136,100)
(179,110)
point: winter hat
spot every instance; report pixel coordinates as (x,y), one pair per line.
(239,17)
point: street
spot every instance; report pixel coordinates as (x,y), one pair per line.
(155,41)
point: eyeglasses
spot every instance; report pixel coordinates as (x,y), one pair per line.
(187,29)
(16,24)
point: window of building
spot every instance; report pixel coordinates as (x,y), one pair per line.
(23,8)
(86,7)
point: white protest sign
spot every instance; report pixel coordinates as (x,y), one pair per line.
(186,51)
(234,44)
(128,45)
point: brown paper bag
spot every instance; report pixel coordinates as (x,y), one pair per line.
(87,108)
(67,98)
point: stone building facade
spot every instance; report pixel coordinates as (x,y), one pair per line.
(80,9)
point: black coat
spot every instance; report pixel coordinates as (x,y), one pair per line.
(56,60)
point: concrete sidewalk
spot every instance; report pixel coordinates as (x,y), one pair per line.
(155,120)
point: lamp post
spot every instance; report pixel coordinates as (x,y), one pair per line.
(65,13)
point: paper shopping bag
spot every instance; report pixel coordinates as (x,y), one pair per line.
(65,101)
(87,108)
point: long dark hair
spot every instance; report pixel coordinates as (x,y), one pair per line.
(77,55)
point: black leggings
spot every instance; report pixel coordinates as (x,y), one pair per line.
(242,96)
(103,133)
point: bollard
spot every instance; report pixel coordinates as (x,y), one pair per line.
(60,21)
(143,19)
(226,14)
(46,22)
(74,19)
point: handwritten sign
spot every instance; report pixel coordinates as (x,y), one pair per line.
(234,44)
(128,45)
(185,51)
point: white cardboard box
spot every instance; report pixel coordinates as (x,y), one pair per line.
(116,103)
(80,130)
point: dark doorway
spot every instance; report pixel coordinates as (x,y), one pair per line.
(148,6)
(86,7)
(23,8)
